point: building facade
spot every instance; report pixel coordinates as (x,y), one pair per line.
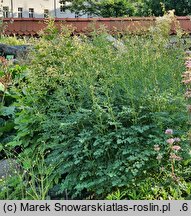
(34,9)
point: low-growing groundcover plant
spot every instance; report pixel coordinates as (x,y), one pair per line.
(99,115)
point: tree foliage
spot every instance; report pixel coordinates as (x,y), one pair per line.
(122,8)
(181,7)
(104,8)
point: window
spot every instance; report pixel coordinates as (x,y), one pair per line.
(62,5)
(20,12)
(31,12)
(46,13)
(5,12)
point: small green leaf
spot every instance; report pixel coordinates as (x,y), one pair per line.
(7,111)
(1,73)
(1,147)
(26,165)
(2,87)
(14,143)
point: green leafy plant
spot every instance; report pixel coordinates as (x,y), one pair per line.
(154,188)
(99,111)
(33,178)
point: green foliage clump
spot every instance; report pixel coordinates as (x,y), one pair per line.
(153,7)
(98,111)
(124,8)
(8,72)
(154,189)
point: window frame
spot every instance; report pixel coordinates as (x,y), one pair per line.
(62,7)
(6,12)
(20,12)
(46,13)
(31,12)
